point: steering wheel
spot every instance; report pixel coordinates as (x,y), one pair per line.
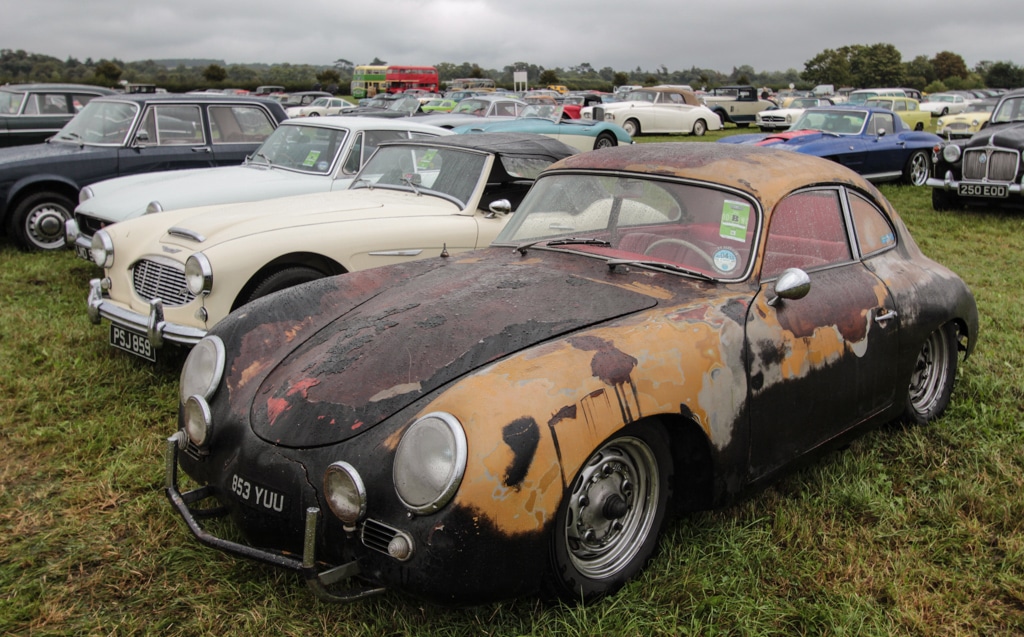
(686,244)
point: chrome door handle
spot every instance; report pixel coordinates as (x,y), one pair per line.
(884,316)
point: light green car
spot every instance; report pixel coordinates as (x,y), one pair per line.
(439,106)
(907,108)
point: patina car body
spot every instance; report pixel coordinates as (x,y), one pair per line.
(658,328)
(985,169)
(874,142)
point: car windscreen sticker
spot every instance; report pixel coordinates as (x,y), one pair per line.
(735,220)
(725,260)
(311,158)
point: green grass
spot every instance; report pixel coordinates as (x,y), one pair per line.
(910,531)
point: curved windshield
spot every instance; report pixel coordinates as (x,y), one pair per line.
(308,149)
(838,121)
(101,123)
(472,106)
(542,111)
(679,227)
(449,172)
(641,96)
(1010,109)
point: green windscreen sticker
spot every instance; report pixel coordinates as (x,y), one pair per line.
(311,158)
(735,220)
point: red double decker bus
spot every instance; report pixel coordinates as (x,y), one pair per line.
(399,79)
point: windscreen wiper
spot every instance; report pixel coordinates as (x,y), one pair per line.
(563,242)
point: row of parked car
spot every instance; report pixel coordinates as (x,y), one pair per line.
(482,365)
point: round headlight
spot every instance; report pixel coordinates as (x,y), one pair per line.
(203,369)
(430,462)
(198,421)
(951,153)
(345,493)
(85,194)
(198,274)
(154,206)
(102,249)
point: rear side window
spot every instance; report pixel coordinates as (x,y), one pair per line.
(807,231)
(173,124)
(239,124)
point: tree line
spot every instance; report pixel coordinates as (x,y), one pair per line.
(854,65)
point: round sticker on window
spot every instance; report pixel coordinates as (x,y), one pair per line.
(726,260)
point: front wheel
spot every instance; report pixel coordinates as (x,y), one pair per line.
(931,382)
(608,523)
(605,140)
(632,127)
(37,223)
(699,128)
(282,279)
(916,170)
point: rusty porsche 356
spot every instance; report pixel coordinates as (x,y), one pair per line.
(658,328)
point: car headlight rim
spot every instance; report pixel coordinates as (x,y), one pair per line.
(430,462)
(345,492)
(85,194)
(198,421)
(152,207)
(102,249)
(198,274)
(203,369)
(951,153)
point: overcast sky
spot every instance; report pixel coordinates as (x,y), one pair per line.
(769,35)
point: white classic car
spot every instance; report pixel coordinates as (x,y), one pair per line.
(939,104)
(317,154)
(774,119)
(658,110)
(321,106)
(170,277)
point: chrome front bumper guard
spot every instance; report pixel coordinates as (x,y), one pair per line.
(948,183)
(152,325)
(318,581)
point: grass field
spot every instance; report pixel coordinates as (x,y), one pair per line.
(909,531)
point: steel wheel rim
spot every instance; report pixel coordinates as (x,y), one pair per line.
(45,225)
(930,373)
(612,508)
(918,169)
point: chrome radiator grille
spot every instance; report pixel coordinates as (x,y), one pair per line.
(159,280)
(992,164)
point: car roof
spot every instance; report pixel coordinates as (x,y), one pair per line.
(61,86)
(364,123)
(190,98)
(764,173)
(499,144)
(688,96)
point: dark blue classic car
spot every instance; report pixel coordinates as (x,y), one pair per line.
(123,135)
(986,169)
(29,113)
(871,141)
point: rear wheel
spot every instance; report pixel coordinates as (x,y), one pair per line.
(916,170)
(632,127)
(37,223)
(931,382)
(608,524)
(605,140)
(282,279)
(699,128)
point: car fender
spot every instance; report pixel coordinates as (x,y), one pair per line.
(36,182)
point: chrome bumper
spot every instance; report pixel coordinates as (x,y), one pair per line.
(152,325)
(318,581)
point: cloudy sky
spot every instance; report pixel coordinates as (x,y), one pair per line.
(769,35)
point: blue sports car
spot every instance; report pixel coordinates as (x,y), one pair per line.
(871,141)
(547,119)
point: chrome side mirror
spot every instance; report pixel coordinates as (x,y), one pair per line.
(499,207)
(791,285)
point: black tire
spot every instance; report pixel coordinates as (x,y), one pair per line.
(314,114)
(596,547)
(945,200)
(919,127)
(699,128)
(37,222)
(632,127)
(945,111)
(931,381)
(605,140)
(742,124)
(282,279)
(917,168)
